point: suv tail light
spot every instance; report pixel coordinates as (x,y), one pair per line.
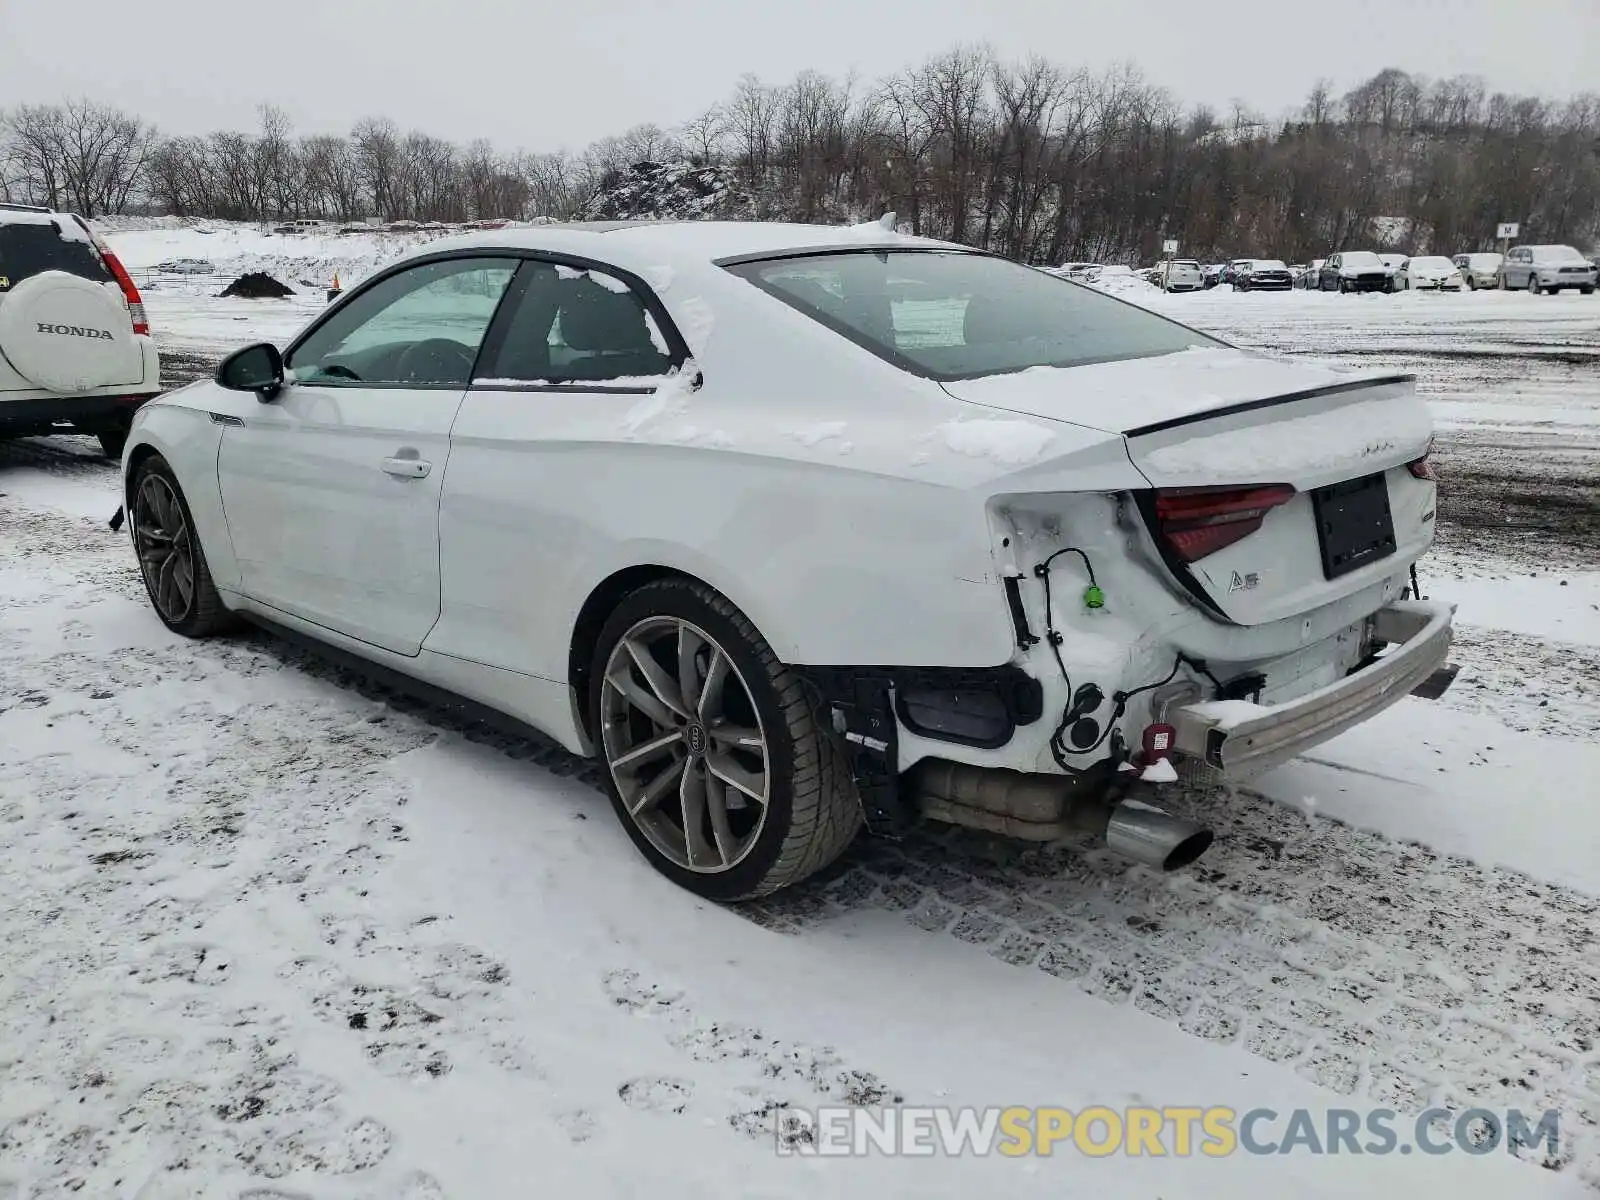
(1197,521)
(130,290)
(1422,467)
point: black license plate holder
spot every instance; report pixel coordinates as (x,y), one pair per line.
(1354,524)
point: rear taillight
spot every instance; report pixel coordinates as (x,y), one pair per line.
(1422,467)
(130,290)
(1197,521)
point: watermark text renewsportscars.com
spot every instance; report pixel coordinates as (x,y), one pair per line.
(1177,1131)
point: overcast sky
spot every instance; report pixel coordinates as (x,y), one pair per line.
(539,76)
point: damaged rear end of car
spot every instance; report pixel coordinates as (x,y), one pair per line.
(1206,569)
(1250,594)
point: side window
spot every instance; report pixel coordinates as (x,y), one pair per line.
(421,328)
(571,326)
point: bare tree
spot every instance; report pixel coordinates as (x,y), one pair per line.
(703,136)
(80,155)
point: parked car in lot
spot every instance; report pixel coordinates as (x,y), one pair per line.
(1211,274)
(302,225)
(1428,272)
(1547,269)
(1233,268)
(1392,262)
(1262,275)
(1071,536)
(1179,275)
(1081,272)
(1355,271)
(1311,278)
(1480,270)
(185,266)
(75,349)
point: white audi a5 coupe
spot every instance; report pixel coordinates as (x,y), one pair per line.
(798,527)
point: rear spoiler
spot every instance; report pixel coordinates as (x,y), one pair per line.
(1332,389)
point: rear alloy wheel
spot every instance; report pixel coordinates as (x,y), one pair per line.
(716,764)
(1533,285)
(170,557)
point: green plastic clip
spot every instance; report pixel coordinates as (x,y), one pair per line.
(1093,597)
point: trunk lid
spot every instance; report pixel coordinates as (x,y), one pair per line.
(1239,422)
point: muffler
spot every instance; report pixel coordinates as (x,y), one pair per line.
(1044,808)
(1155,837)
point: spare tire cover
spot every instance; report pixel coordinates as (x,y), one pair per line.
(68,334)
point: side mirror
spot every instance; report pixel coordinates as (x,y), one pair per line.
(257,369)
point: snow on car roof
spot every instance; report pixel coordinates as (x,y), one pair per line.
(70,230)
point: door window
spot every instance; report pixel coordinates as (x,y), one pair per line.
(421,327)
(573,327)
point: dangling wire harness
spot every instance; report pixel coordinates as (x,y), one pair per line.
(1070,711)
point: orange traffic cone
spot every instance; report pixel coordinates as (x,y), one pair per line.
(335,289)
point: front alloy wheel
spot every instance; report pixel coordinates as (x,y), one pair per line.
(171,559)
(165,545)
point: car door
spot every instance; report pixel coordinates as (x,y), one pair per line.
(1330,272)
(331,490)
(567,372)
(1515,276)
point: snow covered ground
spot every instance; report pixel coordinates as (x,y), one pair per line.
(273,932)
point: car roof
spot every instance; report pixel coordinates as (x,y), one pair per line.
(683,242)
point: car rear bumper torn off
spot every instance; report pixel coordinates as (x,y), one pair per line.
(1239,738)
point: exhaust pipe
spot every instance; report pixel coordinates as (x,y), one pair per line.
(1154,837)
(1043,808)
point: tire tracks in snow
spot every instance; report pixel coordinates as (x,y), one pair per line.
(1378,968)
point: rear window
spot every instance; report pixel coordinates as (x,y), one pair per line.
(28,248)
(949,315)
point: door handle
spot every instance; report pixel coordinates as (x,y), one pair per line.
(407,468)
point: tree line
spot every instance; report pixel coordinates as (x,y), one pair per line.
(1028,158)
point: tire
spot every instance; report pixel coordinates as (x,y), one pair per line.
(1586,291)
(153,524)
(112,441)
(811,811)
(1533,285)
(1342,288)
(1471,286)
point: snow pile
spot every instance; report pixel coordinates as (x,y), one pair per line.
(670,191)
(822,431)
(235,248)
(1123,284)
(670,399)
(1010,443)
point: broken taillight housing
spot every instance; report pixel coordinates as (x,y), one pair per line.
(1157,743)
(1422,467)
(1197,521)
